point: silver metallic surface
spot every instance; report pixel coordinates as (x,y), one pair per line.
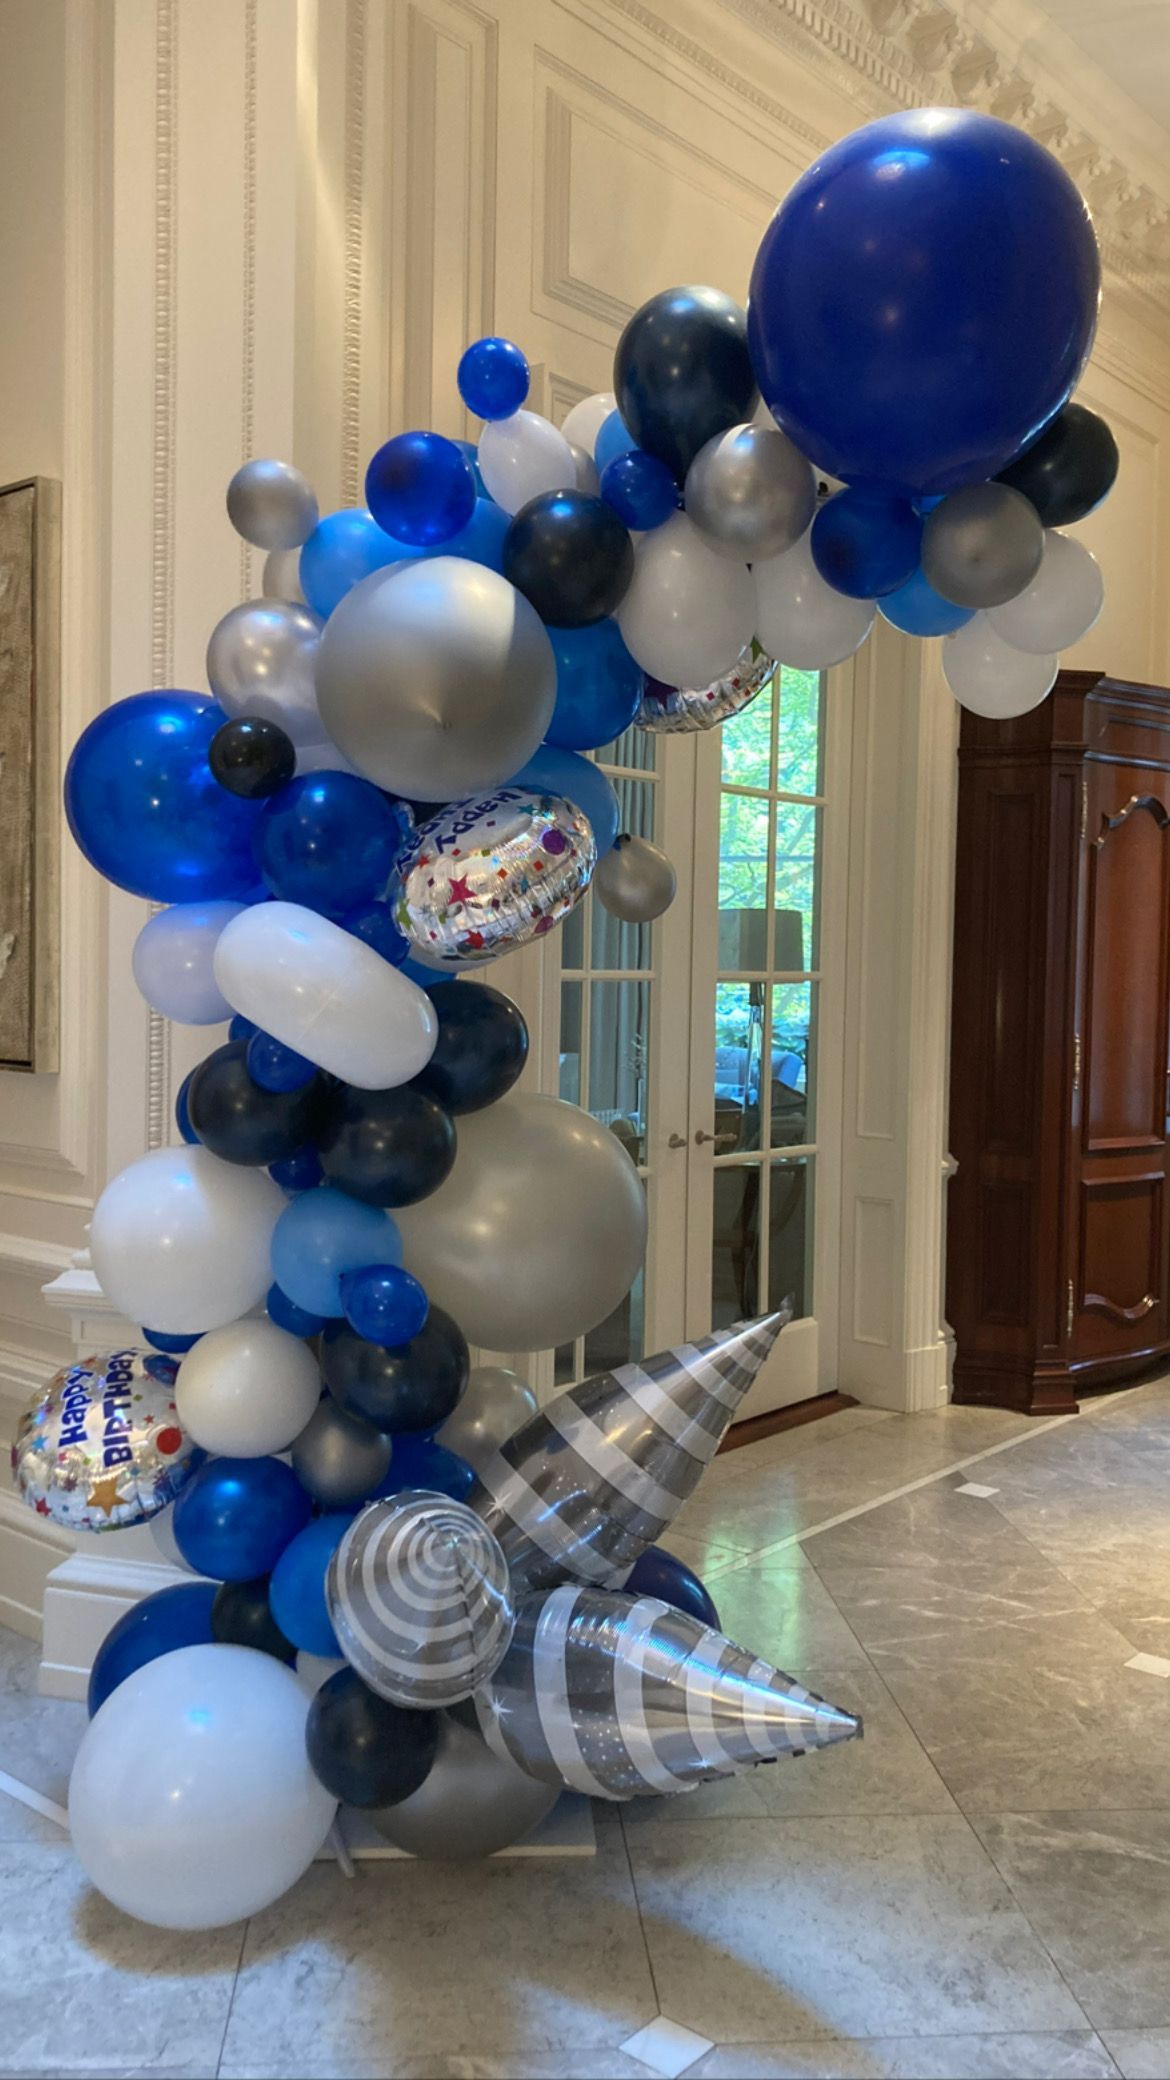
(492,1406)
(472,1802)
(679,710)
(493,872)
(982,545)
(339,1460)
(261,660)
(271,504)
(102,1447)
(635,881)
(750,492)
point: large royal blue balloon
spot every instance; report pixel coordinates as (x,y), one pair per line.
(567,773)
(330,841)
(235,1518)
(296,1593)
(147,811)
(598,686)
(342,549)
(924,300)
(178,1617)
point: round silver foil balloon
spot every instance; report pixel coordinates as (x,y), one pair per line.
(677,710)
(272,505)
(635,881)
(419,1597)
(436,678)
(101,1446)
(339,1460)
(494,1404)
(982,545)
(471,1804)
(491,873)
(750,492)
(261,660)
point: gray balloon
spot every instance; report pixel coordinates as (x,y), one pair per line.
(436,678)
(494,1404)
(260,661)
(635,881)
(338,1459)
(281,576)
(750,493)
(982,545)
(272,505)
(471,1803)
(587,477)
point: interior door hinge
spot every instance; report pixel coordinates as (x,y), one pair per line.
(1084,807)
(1070,1311)
(1076,1064)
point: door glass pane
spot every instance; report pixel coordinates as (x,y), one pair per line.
(793,1064)
(619,1018)
(796,887)
(735,1252)
(739,1051)
(799,751)
(573,938)
(747,745)
(790,1234)
(570,1079)
(621,1336)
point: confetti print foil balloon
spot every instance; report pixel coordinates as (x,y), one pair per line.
(679,709)
(101,1446)
(493,872)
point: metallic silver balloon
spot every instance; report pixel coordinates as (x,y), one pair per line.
(605,1468)
(272,505)
(102,1447)
(635,881)
(587,477)
(436,678)
(750,493)
(261,660)
(679,710)
(982,545)
(339,1460)
(281,576)
(419,1598)
(492,1406)
(489,874)
(616,1695)
(472,1802)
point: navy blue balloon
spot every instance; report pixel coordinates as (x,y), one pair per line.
(420,489)
(171,1618)
(343,549)
(287,1315)
(567,773)
(570,556)
(384,1304)
(493,378)
(682,373)
(173,1346)
(374,922)
(659,1573)
(419,1462)
(276,1067)
(330,841)
(182,1116)
(866,543)
(146,809)
(234,1519)
(613,439)
(640,489)
(924,300)
(296,1593)
(599,686)
(918,610)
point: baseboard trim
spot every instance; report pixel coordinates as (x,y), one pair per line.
(757,1427)
(31,1547)
(84,1596)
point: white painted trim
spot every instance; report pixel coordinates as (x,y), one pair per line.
(84,1595)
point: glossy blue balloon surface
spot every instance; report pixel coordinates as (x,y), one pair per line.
(299,1172)
(384,1303)
(235,1518)
(296,1593)
(182,1116)
(640,489)
(493,378)
(171,1618)
(145,808)
(599,686)
(322,1234)
(924,300)
(658,1573)
(374,922)
(330,841)
(918,610)
(866,543)
(420,488)
(613,439)
(419,1462)
(173,1346)
(287,1315)
(481,541)
(342,549)
(276,1067)
(567,773)
(469,450)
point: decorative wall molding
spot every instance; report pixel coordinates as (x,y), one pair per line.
(352,270)
(162,588)
(248,316)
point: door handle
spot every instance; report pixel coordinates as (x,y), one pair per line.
(720,1140)
(677,1141)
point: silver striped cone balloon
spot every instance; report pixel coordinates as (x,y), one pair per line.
(678,710)
(617,1695)
(419,1597)
(601,1473)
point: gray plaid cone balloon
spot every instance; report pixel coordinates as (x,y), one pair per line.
(418,1594)
(675,710)
(617,1695)
(602,1472)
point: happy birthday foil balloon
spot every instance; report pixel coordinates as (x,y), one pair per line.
(492,872)
(677,709)
(602,1471)
(101,1446)
(616,1695)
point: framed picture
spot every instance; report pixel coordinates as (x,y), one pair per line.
(30,814)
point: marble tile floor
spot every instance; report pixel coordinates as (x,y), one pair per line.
(978,1891)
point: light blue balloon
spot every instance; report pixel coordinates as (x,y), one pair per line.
(342,549)
(918,610)
(481,541)
(564,772)
(613,439)
(320,1235)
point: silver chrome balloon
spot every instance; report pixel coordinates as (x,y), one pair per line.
(677,710)
(750,492)
(606,1466)
(492,1406)
(472,1802)
(261,660)
(101,1446)
(491,873)
(337,1459)
(419,1597)
(982,545)
(616,1695)
(635,881)
(272,505)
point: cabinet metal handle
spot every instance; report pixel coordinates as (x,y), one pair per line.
(720,1140)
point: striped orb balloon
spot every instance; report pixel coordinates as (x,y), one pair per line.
(419,1597)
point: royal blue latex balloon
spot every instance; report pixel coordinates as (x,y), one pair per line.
(330,841)
(298,1172)
(613,439)
(235,1518)
(640,489)
(276,1067)
(866,543)
(287,1315)
(566,773)
(374,922)
(384,1303)
(420,489)
(322,1234)
(342,549)
(493,378)
(918,610)
(171,1618)
(659,1573)
(182,1116)
(146,809)
(173,1346)
(419,1462)
(470,453)
(242,1028)
(924,300)
(296,1593)
(599,686)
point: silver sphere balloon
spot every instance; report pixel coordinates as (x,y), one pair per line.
(750,493)
(436,678)
(494,1404)
(261,661)
(471,1804)
(635,881)
(982,545)
(339,1460)
(272,505)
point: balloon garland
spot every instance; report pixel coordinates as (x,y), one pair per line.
(443,1604)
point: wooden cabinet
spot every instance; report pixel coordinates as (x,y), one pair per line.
(1058,1242)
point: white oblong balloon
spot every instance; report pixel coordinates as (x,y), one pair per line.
(990,677)
(689,612)
(583,424)
(192,1801)
(180,1240)
(173,962)
(247,1389)
(522,456)
(326,993)
(800,620)
(1061,603)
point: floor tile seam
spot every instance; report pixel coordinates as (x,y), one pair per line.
(630,1873)
(908,1723)
(221,2053)
(1006,1881)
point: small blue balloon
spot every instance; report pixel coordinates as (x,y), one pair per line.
(171,1618)
(234,1519)
(613,439)
(658,1573)
(299,1172)
(599,686)
(330,841)
(419,1462)
(172,1346)
(918,610)
(566,773)
(241,1028)
(343,549)
(182,1116)
(865,544)
(276,1067)
(493,378)
(296,1593)
(481,541)
(322,1234)
(419,488)
(374,922)
(384,1304)
(424,977)
(287,1315)
(640,489)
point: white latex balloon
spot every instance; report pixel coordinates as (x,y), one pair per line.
(247,1389)
(1060,605)
(192,1802)
(281,577)
(326,993)
(583,424)
(991,678)
(689,612)
(173,962)
(800,620)
(314,1669)
(522,456)
(180,1240)
(493,1404)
